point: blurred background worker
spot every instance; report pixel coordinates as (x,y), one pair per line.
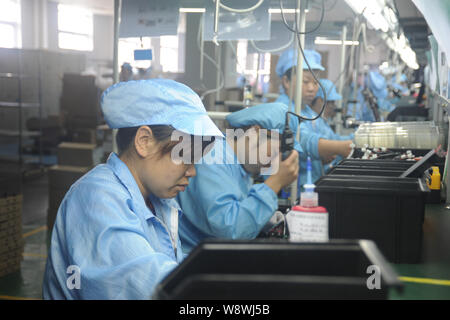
(126,72)
(222,201)
(118,223)
(360,109)
(322,124)
(400,84)
(378,86)
(312,143)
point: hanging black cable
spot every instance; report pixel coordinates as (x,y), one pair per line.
(310,70)
(322,15)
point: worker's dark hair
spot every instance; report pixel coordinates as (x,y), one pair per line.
(162,133)
(289,72)
(292,70)
(125,137)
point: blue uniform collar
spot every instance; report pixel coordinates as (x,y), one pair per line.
(308,110)
(123,173)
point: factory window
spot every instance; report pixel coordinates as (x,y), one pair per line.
(75,28)
(10,24)
(247,64)
(168,51)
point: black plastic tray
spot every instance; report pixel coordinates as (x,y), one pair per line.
(352,171)
(388,210)
(278,269)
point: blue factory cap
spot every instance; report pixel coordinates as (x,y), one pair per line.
(288,59)
(268,116)
(156,102)
(330,89)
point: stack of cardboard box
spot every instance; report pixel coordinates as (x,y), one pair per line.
(11,240)
(80,101)
(74,160)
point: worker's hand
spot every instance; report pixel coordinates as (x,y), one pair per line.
(329,149)
(286,174)
(344,148)
(328,159)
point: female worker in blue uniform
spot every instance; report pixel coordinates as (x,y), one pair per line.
(321,125)
(378,85)
(116,231)
(360,110)
(222,201)
(312,143)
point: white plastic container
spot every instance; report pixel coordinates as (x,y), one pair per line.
(307,224)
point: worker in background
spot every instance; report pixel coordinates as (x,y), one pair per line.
(400,85)
(378,86)
(126,72)
(312,143)
(116,228)
(322,123)
(222,201)
(360,111)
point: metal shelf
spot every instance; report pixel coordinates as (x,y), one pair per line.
(16,133)
(10,104)
(26,159)
(18,106)
(15,76)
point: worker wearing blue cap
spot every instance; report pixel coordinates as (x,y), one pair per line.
(360,110)
(312,143)
(321,124)
(116,231)
(126,72)
(222,201)
(378,85)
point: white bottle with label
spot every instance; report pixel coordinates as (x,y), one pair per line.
(308,222)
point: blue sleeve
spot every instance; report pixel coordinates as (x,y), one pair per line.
(343,138)
(218,203)
(309,141)
(101,234)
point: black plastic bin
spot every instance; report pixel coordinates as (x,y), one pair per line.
(269,269)
(351,171)
(387,210)
(376,163)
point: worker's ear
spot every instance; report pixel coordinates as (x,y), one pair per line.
(144,142)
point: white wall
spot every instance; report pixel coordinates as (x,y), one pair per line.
(40,30)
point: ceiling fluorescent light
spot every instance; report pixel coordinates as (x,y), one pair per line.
(373,12)
(277,10)
(335,42)
(193,10)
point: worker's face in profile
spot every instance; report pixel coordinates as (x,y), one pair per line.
(160,175)
(309,87)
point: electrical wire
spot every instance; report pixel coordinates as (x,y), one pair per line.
(283,47)
(240,10)
(322,15)
(222,77)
